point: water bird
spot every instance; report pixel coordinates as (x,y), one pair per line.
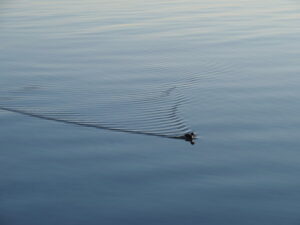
(189,137)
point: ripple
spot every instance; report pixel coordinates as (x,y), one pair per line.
(141,105)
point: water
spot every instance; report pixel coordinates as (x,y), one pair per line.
(228,70)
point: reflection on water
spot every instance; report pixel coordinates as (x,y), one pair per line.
(226,70)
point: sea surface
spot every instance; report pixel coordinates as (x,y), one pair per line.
(96,96)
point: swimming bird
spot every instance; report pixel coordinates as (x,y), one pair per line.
(190,137)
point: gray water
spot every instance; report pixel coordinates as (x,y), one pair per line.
(227,70)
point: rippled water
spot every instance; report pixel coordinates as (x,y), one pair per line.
(227,70)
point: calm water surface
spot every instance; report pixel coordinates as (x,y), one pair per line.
(228,70)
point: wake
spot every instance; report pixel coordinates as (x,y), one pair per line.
(154,113)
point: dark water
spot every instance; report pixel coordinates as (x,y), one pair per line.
(228,70)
